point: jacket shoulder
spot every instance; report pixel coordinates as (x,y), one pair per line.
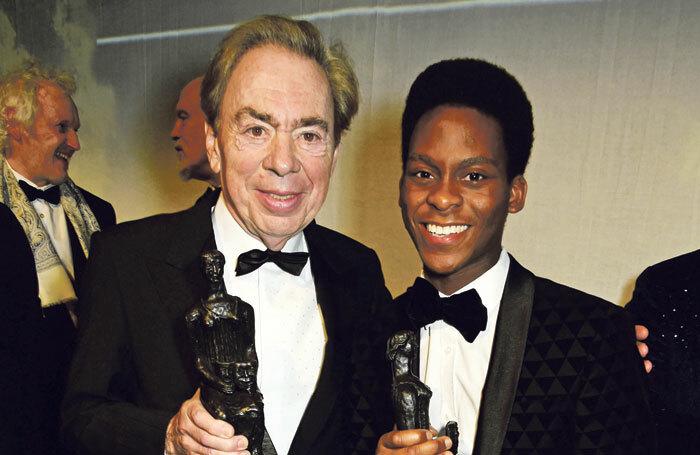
(680,270)
(153,233)
(338,249)
(103,210)
(550,295)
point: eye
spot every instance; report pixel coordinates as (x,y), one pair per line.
(256,131)
(310,137)
(63,127)
(474,177)
(422,174)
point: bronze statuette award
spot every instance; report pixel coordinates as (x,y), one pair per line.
(222,333)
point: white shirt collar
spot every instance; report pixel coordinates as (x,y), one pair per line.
(232,240)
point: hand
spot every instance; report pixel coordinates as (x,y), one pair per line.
(642,333)
(413,442)
(194,431)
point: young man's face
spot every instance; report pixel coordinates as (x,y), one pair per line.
(455,194)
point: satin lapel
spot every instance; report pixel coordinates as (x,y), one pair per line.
(506,360)
(328,296)
(77,252)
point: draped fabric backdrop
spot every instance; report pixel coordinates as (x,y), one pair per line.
(615,85)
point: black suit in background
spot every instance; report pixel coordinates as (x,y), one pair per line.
(37,343)
(134,367)
(565,376)
(667,301)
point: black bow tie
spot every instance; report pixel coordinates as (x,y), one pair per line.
(52,195)
(464,311)
(289,262)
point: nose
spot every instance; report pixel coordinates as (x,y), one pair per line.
(445,195)
(175,133)
(282,158)
(72,141)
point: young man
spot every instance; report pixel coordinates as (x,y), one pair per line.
(524,365)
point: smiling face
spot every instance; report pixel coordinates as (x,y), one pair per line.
(188,134)
(42,153)
(274,150)
(455,194)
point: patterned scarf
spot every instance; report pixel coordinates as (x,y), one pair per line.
(55,284)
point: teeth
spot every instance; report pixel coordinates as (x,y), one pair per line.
(435,229)
(63,155)
(281,198)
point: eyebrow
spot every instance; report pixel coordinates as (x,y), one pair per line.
(465,163)
(313,121)
(267,118)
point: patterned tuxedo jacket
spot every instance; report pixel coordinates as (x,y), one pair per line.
(565,376)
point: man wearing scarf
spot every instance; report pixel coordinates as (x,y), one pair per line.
(40,269)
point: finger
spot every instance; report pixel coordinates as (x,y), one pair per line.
(202,419)
(641,332)
(648,365)
(643,348)
(405,438)
(194,448)
(431,447)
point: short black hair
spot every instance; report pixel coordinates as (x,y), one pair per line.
(483,86)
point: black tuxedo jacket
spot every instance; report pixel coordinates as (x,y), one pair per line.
(134,366)
(36,344)
(667,301)
(564,377)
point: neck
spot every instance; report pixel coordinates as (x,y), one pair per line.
(216,290)
(214,181)
(400,367)
(449,283)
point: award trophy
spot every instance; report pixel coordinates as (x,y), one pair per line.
(409,396)
(222,333)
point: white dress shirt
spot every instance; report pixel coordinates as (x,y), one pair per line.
(454,369)
(54,220)
(289,331)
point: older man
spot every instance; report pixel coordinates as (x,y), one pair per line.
(39,135)
(188,135)
(276,102)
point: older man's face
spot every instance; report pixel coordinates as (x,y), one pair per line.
(275,149)
(188,134)
(42,153)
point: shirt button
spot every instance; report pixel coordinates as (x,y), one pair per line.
(41,215)
(448,350)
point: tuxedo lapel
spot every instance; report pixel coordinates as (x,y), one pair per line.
(176,274)
(77,252)
(506,360)
(327,282)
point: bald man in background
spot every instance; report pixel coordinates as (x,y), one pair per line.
(188,135)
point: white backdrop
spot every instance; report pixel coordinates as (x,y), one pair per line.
(615,85)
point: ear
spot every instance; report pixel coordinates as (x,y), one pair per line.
(12,126)
(213,150)
(518,191)
(336,152)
